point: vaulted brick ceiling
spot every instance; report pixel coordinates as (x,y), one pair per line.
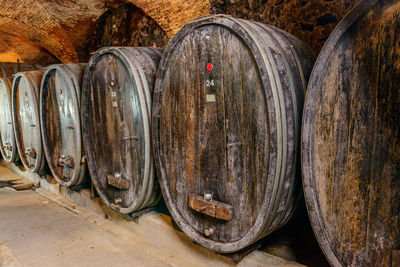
(46,31)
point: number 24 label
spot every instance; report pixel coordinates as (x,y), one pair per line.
(209,83)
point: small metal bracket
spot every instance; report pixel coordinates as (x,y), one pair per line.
(65,176)
(8,147)
(66,161)
(230,145)
(30,152)
(118,181)
(114,100)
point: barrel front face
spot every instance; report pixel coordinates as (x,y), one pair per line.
(115,123)
(60,121)
(225,126)
(26,119)
(8,147)
(351,140)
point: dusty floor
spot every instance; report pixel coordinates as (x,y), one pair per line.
(37,231)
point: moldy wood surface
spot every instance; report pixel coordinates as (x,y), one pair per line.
(351,140)
(126,25)
(116,108)
(60,122)
(26,119)
(312,21)
(226,122)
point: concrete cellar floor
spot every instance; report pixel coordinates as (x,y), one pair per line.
(40,228)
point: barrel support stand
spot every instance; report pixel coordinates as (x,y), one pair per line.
(239,255)
(135,215)
(79,187)
(93,192)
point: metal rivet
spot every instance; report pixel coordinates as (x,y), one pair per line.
(208,196)
(60,91)
(112,83)
(209,231)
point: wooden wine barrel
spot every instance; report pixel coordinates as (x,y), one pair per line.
(61,124)
(351,140)
(226,129)
(26,119)
(7,69)
(7,140)
(116,108)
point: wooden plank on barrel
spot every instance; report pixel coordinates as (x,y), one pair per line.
(213,208)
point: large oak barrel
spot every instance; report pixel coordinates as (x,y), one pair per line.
(26,119)
(7,140)
(226,128)
(60,96)
(7,69)
(116,110)
(351,139)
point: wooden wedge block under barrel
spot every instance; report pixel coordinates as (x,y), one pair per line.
(116,112)
(351,139)
(26,119)
(226,128)
(61,124)
(7,69)
(7,139)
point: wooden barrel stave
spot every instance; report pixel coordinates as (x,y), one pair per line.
(190,126)
(60,122)
(26,119)
(7,139)
(351,145)
(291,73)
(121,105)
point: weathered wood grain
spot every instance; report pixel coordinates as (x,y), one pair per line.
(26,119)
(116,108)
(213,208)
(60,122)
(351,141)
(126,25)
(7,140)
(226,120)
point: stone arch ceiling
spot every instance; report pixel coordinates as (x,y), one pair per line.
(13,48)
(61,28)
